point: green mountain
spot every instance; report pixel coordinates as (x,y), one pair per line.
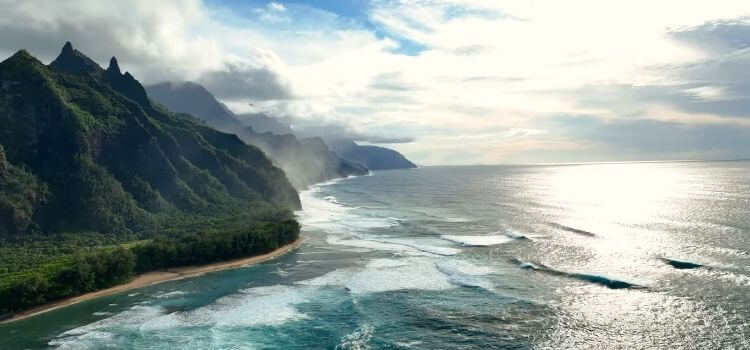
(83,149)
(305,161)
(373,157)
(194,99)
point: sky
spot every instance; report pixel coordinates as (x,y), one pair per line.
(443,82)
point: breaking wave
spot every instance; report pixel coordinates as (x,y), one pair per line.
(572,229)
(681,264)
(591,278)
(478,240)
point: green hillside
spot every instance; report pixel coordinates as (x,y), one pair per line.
(84,149)
(98,184)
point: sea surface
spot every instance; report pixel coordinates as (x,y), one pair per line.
(595,256)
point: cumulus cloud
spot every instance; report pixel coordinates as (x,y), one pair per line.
(166,40)
(462,81)
(153,40)
(259,76)
(273,12)
(722,35)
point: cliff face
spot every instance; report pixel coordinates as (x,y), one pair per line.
(305,161)
(88,151)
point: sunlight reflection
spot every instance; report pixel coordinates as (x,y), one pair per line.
(614,212)
(626,193)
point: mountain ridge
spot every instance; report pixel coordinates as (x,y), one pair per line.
(110,161)
(306,161)
(373,157)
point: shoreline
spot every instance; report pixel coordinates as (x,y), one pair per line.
(154,277)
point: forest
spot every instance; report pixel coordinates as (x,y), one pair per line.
(105,266)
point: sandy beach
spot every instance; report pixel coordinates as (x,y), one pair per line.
(154,277)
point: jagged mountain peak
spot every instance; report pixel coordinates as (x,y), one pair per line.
(72,61)
(94,155)
(113,66)
(67,48)
(127,85)
(21,54)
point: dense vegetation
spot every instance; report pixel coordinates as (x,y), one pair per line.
(104,267)
(98,184)
(84,149)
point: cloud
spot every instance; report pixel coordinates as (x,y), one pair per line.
(722,35)
(151,39)
(276,7)
(462,81)
(333,130)
(168,40)
(256,77)
(717,83)
(273,12)
(646,139)
(393,81)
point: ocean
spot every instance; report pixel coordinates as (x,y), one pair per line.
(591,256)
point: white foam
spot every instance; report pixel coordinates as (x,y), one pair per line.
(88,336)
(357,340)
(135,315)
(456,219)
(176,293)
(358,222)
(465,267)
(386,263)
(331,216)
(737,278)
(528,265)
(518,235)
(162,322)
(382,275)
(273,305)
(408,344)
(464,274)
(420,245)
(397,246)
(479,240)
(85,341)
(413,273)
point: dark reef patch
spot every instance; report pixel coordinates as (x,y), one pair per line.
(595,279)
(681,264)
(571,229)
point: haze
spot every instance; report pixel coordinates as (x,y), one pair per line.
(442,82)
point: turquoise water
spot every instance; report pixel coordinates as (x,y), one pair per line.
(642,255)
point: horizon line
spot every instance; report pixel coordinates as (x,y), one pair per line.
(594,162)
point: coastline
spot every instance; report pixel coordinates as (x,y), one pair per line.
(154,277)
